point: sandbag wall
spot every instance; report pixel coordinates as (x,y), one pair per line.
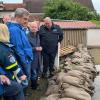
(74,80)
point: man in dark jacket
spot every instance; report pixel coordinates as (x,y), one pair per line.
(50,35)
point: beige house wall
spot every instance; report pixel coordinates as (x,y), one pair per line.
(93,37)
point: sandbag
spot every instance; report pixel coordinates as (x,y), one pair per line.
(76,93)
(52,89)
(53,97)
(66,99)
(72,80)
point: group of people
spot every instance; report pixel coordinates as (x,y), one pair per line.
(24,46)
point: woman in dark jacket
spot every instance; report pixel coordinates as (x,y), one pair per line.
(9,69)
(34,40)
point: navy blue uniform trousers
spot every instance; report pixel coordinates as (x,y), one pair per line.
(14,91)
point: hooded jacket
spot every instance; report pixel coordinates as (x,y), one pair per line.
(19,39)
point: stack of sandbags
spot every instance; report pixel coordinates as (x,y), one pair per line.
(75,78)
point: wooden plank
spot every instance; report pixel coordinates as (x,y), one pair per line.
(67,50)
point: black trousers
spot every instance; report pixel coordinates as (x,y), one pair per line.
(48,62)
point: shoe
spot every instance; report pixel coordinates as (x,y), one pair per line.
(34,84)
(50,76)
(35,87)
(44,76)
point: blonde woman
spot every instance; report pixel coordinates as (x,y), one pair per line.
(11,90)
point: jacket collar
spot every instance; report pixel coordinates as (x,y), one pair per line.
(7,44)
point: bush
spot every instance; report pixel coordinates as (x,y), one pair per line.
(68,10)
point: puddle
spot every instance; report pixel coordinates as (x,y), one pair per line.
(96,95)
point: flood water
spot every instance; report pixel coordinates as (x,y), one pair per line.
(96,95)
(36,95)
(96,54)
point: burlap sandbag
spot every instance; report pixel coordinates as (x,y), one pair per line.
(77,55)
(66,85)
(53,97)
(66,99)
(76,73)
(77,61)
(79,74)
(72,80)
(76,93)
(52,89)
(60,76)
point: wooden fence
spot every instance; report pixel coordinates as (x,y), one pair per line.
(74,37)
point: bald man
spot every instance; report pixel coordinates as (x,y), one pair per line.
(50,35)
(35,43)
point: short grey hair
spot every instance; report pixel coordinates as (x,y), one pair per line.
(47,19)
(21,11)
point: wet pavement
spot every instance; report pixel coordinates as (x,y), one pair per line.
(37,94)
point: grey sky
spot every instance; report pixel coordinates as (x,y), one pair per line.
(12,1)
(96,4)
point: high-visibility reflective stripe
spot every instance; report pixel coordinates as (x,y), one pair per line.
(13,77)
(11,66)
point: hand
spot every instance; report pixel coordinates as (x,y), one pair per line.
(58,43)
(5,79)
(23,77)
(38,48)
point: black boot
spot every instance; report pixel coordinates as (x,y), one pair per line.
(34,84)
(44,75)
(51,74)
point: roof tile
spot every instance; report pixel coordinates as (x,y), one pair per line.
(75,24)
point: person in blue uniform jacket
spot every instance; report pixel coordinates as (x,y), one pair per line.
(34,40)
(9,69)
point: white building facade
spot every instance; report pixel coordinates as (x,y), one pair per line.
(93,37)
